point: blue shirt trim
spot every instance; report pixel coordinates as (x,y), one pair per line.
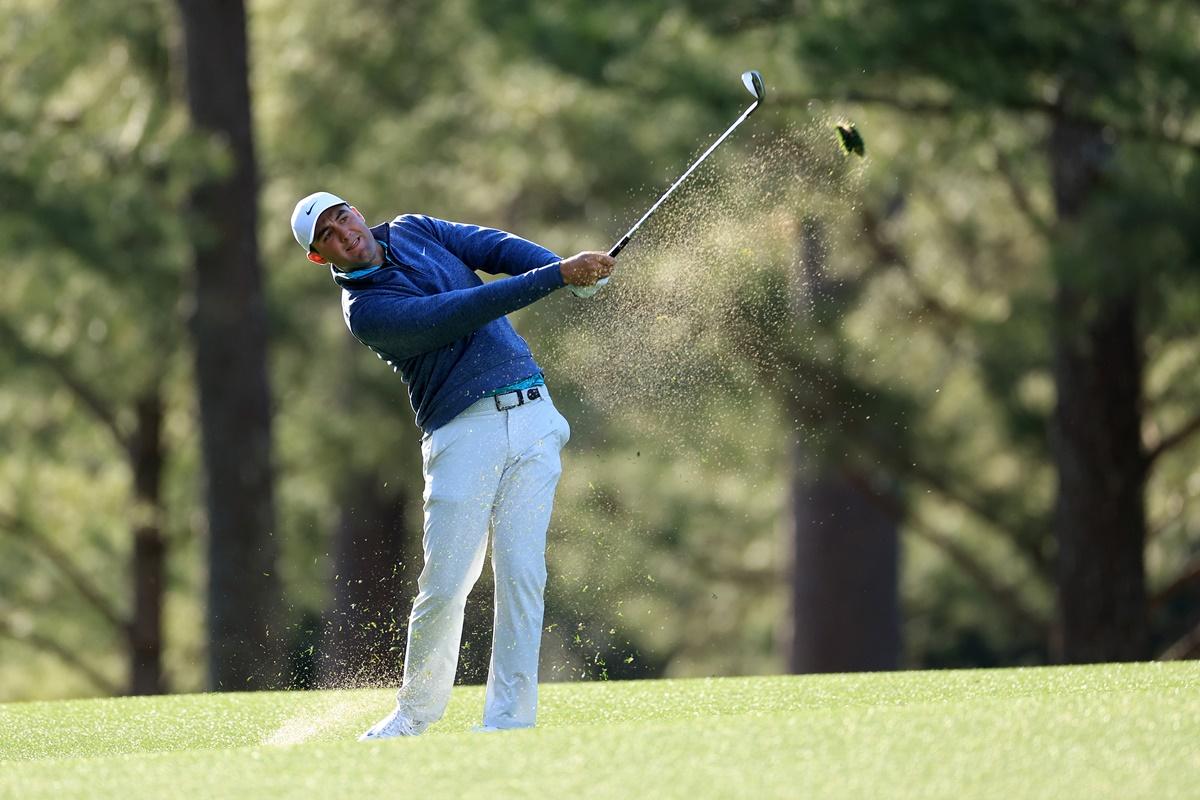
(524,383)
(359,273)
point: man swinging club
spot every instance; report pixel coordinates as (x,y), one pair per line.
(490,450)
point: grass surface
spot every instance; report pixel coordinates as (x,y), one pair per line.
(1120,731)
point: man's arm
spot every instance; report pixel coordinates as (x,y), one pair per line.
(404,326)
(488,249)
(407,325)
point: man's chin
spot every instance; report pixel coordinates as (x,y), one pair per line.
(368,260)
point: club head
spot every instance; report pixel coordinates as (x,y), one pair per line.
(754,84)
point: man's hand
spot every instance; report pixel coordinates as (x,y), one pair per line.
(584,269)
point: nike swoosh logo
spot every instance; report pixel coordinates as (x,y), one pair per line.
(309,209)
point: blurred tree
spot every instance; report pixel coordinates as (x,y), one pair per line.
(86,195)
(845,516)
(230,337)
(1100,516)
(1104,84)
(911,385)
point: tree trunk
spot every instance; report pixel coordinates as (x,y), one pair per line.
(229,328)
(1100,521)
(149,549)
(845,609)
(365,635)
(845,592)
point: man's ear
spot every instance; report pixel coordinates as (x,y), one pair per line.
(356,211)
(316,259)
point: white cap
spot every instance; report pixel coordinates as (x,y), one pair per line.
(304,216)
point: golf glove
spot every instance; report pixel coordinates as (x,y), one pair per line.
(588,291)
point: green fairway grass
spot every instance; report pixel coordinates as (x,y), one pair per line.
(1119,731)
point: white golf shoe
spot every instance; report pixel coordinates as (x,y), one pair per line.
(393,725)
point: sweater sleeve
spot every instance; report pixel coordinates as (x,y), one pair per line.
(488,249)
(404,326)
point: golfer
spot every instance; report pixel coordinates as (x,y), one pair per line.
(490,450)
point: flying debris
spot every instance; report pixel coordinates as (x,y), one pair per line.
(851,140)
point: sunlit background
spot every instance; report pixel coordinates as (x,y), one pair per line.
(932,407)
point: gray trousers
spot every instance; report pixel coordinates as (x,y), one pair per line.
(485,469)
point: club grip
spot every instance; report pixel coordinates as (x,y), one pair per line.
(619,246)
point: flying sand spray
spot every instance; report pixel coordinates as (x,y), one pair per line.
(754,84)
(752,79)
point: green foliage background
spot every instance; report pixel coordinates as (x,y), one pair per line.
(561,121)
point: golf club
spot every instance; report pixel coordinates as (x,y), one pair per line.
(754,84)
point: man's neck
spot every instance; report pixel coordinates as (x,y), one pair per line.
(380,255)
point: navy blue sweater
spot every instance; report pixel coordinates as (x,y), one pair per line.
(428,315)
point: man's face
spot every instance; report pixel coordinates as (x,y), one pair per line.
(342,238)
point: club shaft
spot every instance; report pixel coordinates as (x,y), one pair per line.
(619,246)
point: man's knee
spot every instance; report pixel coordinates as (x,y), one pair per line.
(440,599)
(528,578)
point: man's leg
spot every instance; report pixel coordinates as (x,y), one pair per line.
(536,434)
(463,464)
